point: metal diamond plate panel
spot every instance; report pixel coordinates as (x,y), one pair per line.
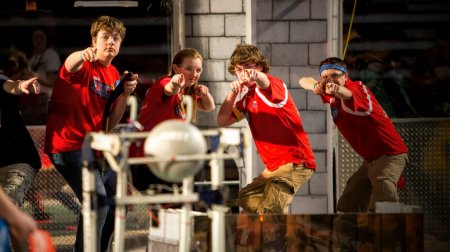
(427,175)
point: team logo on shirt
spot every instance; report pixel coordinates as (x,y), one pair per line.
(100,89)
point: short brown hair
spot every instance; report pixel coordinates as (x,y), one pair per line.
(333,60)
(248,53)
(109,24)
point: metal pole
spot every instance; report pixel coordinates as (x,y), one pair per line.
(218,236)
(186,221)
(89,196)
(217,213)
(121,192)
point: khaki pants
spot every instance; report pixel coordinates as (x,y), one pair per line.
(16,179)
(373,181)
(272,192)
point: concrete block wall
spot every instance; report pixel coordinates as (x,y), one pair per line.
(293,35)
(214,27)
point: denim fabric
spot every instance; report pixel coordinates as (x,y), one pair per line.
(16,179)
(69,166)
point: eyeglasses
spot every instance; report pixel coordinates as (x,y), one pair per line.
(333,76)
(191,70)
(106,36)
(249,66)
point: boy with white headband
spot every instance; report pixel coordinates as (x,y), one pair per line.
(368,129)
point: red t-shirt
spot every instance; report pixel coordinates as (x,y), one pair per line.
(364,124)
(276,126)
(77,105)
(157,107)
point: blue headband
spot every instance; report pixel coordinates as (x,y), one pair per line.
(332,66)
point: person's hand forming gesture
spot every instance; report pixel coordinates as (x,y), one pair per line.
(178,81)
(29,86)
(89,54)
(238,86)
(201,90)
(249,77)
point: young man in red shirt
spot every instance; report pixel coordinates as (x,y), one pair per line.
(368,129)
(276,128)
(80,94)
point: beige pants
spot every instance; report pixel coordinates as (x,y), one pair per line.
(272,192)
(373,181)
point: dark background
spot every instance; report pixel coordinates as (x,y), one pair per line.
(145,49)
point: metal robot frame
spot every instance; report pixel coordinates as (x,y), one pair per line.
(115,146)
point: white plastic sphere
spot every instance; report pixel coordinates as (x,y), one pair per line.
(171,138)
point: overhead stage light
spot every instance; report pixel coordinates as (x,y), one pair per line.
(106,4)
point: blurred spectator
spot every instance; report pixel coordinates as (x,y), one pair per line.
(44,60)
(33,106)
(382,76)
(382,72)
(431,78)
(17,66)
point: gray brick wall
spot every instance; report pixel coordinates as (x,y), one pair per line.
(294,34)
(214,27)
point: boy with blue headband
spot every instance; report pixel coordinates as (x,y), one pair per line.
(368,129)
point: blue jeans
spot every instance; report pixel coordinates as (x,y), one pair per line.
(69,166)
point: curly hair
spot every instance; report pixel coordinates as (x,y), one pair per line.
(248,53)
(109,24)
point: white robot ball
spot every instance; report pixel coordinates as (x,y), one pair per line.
(171,138)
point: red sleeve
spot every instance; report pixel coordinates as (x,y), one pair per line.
(276,90)
(240,105)
(361,98)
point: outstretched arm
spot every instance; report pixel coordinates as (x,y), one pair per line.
(22,86)
(338,91)
(225,117)
(329,88)
(75,60)
(175,85)
(20,224)
(309,83)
